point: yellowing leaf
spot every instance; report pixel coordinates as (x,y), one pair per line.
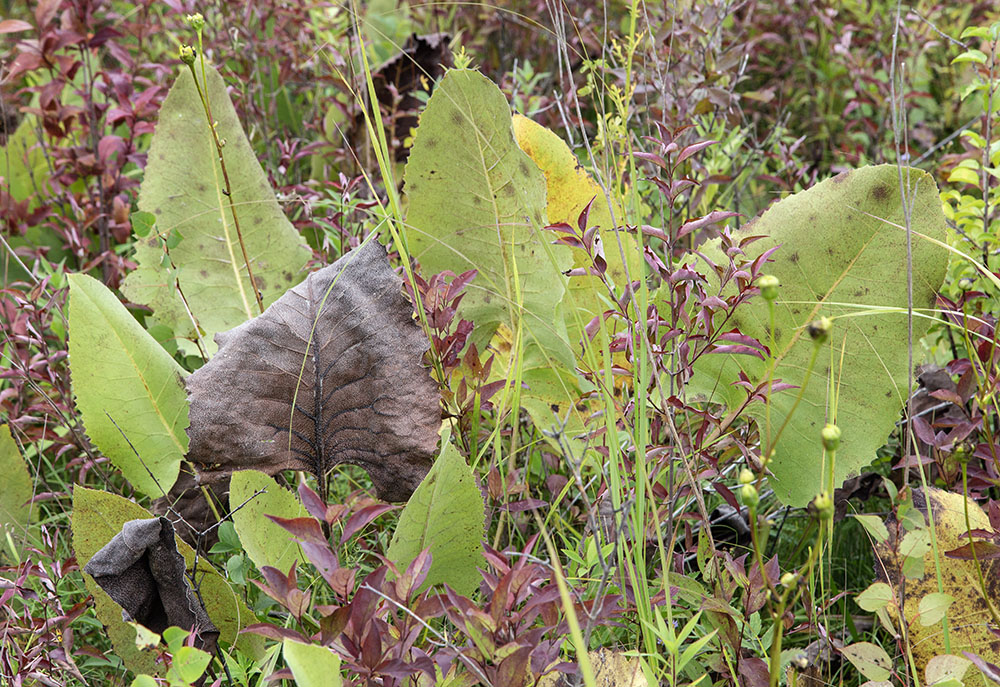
(17,485)
(968,616)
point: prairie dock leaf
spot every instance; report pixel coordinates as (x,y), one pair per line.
(183,187)
(842,255)
(122,376)
(446,515)
(478,202)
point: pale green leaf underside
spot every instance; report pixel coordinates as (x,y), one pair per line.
(842,255)
(476,201)
(266,542)
(312,665)
(17,485)
(118,369)
(97,517)
(446,514)
(183,186)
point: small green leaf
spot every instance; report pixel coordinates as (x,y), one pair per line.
(446,515)
(312,665)
(977,56)
(265,542)
(143,223)
(874,526)
(188,664)
(174,238)
(933,606)
(964,175)
(870,659)
(144,681)
(878,595)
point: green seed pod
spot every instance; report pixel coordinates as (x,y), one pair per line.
(822,506)
(831,437)
(965,284)
(963,452)
(768,285)
(746,477)
(196,21)
(748,493)
(819,330)
(188,54)
(788,579)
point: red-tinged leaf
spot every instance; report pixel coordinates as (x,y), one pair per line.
(713,302)
(701,222)
(416,573)
(371,647)
(581,222)
(651,157)
(311,500)
(322,558)
(654,232)
(947,395)
(525,505)
(734,336)
(984,551)
(737,349)
(45,11)
(363,517)
(989,670)
(692,149)
(14,26)
(275,632)
(304,529)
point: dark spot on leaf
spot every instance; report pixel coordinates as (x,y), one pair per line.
(794,258)
(880,192)
(256,221)
(554,408)
(203,273)
(288,277)
(457,119)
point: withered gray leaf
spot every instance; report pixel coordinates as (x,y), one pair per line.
(331,373)
(142,571)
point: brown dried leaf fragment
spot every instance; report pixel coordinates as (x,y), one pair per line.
(142,571)
(422,61)
(331,373)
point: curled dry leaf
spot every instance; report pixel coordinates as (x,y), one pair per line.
(330,373)
(142,571)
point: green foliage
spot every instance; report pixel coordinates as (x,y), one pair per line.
(312,665)
(15,511)
(22,162)
(265,542)
(842,255)
(97,517)
(478,202)
(445,514)
(184,188)
(123,377)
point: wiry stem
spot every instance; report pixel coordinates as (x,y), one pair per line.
(228,192)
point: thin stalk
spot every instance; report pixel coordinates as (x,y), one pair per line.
(228,192)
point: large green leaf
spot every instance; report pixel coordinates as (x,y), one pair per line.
(842,255)
(312,665)
(444,514)
(266,542)
(97,517)
(122,376)
(476,201)
(183,186)
(17,485)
